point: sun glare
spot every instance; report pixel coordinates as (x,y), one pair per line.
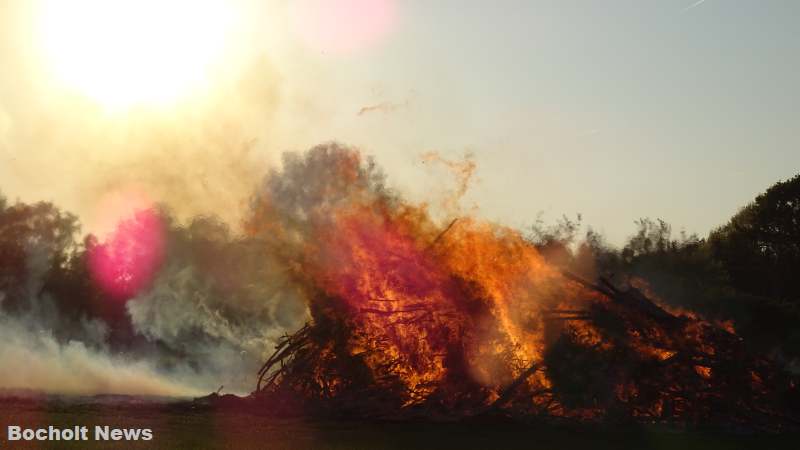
(122,53)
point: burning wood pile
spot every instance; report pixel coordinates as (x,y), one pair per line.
(630,360)
(409,320)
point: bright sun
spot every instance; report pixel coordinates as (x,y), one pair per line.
(129,52)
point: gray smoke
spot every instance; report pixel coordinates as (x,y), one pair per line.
(42,349)
(223,335)
(34,358)
(211,316)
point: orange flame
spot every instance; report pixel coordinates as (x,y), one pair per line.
(429,311)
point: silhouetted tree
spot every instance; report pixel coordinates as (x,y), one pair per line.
(760,246)
(554,242)
(35,241)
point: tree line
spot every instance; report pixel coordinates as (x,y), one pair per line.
(746,271)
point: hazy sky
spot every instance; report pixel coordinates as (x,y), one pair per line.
(614,109)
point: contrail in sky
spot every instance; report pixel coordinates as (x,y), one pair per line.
(693,5)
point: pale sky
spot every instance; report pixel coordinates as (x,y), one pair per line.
(616,109)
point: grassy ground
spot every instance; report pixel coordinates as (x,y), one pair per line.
(184,428)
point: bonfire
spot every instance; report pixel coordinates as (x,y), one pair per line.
(410,319)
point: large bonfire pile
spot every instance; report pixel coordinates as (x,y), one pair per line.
(412,319)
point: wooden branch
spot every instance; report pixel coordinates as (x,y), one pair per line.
(509,391)
(440,235)
(571,276)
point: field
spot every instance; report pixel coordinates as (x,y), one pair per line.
(182,426)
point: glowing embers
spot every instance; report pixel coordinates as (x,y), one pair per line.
(128,259)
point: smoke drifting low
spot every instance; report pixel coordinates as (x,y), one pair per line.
(36,359)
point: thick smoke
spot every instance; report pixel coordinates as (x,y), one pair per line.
(217,303)
(211,315)
(34,358)
(44,345)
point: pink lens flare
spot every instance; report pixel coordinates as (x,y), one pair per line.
(128,259)
(344,26)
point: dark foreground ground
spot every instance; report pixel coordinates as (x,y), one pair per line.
(184,427)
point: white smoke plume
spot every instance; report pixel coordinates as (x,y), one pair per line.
(219,302)
(33,358)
